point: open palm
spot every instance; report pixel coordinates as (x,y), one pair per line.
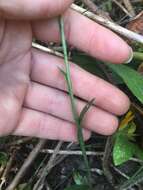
(33,98)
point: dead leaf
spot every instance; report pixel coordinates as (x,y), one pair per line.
(136,24)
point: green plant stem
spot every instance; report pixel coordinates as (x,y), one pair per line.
(138,56)
(71,95)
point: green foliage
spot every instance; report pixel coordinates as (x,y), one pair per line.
(132,79)
(79,179)
(80,183)
(122,150)
(124,147)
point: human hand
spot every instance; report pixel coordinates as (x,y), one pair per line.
(33,98)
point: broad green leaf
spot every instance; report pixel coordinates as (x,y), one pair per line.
(122,150)
(132,78)
(78,187)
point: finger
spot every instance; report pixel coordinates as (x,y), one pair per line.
(85,85)
(38,124)
(57,103)
(30,9)
(85,35)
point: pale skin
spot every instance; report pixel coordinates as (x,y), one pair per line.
(33,98)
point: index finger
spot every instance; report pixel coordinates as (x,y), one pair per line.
(85,35)
(30,9)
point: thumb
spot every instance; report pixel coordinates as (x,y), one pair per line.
(32,9)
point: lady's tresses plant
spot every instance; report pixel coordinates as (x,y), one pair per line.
(77,117)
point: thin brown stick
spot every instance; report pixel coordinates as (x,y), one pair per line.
(7,169)
(48,167)
(120,172)
(26,165)
(46,49)
(70,152)
(113,26)
(129,7)
(137,107)
(106,160)
(123,8)
(94,8)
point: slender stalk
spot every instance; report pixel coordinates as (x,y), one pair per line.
(138,56)
(73,106)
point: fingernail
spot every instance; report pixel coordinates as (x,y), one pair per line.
(130,57)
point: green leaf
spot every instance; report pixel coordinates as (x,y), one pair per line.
(78,187)
(123,149)
(132,78)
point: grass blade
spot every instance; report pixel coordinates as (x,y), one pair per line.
(73,106)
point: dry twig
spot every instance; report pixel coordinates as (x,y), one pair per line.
(129,7)
(123,8)
(26,165)
(7,169)
(70,152)
(106,160)
(48,167)
(113,26)
(46,49)
(92,7)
